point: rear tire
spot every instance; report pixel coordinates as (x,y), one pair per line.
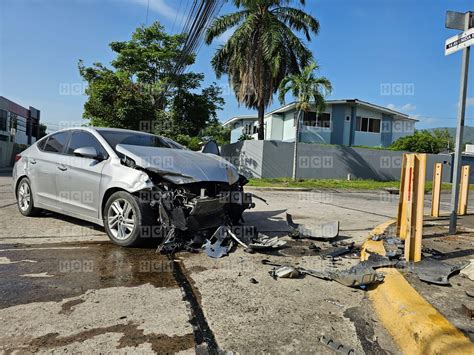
(24,199)
(128,222)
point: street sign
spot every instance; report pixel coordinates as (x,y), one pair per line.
(456,20)
(458,42)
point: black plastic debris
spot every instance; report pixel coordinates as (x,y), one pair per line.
(323,231)
(336,346)
(337,251)
(434,271)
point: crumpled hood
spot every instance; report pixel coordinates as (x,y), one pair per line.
(181,166)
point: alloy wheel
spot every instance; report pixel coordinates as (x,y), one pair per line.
(121,219)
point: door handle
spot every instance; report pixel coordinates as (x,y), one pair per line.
(32,161)
(62,167)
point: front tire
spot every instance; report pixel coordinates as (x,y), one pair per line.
(125,218)
(24,199)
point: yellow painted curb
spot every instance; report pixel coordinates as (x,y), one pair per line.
(416,326)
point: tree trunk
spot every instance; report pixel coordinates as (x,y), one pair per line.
(261,124)
(295,151)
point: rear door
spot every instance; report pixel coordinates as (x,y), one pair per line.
(78,178)
(42,165)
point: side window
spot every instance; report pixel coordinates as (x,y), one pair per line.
(41,143)
(82,139)
(56,142)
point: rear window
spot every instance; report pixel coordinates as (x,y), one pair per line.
(139,139)
(56,142)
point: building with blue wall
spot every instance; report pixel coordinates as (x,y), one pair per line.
(344,122)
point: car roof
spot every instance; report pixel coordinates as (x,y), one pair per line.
(99,129)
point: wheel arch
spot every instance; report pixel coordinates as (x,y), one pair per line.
(17,183)
(106,196)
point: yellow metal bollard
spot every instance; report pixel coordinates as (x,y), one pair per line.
(464,191)
(436,189)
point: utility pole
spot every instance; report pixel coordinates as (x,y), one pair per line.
(463,41)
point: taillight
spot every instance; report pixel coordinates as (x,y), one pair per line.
(17,157)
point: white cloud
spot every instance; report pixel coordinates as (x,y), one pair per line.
(163,8)
(404,108)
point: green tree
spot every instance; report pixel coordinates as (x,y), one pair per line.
(142,86)
(217,132)
(262,50)
(245,137)
(42,131)
(423,141)
(446,141)
(310,91)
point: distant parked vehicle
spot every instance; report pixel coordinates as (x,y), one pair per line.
(137,185)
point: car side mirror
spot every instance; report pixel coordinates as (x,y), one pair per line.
(87,152)
(211,147)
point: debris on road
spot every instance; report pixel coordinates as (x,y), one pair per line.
(336,346)
(265,242)
(285,272)
(468,271)
(434,271)
(219,244)
(337,251)
(324,231)
(360,275)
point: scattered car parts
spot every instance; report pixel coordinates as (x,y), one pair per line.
(324,231)
(468,271)
(265,242)
(336,346)
(359,275)
(434,271)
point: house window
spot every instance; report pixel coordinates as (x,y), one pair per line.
(366,124)
(3,120)
(254,129)
(248,129)
(322,120)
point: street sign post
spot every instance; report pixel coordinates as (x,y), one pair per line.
(462,42)
(458,42)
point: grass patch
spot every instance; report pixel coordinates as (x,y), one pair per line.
(333,184)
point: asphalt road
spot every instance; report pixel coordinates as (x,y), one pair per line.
(66,288)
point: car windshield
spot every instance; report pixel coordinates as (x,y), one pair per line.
(140,139)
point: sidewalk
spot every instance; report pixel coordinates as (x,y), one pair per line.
(450,301)
(427,317)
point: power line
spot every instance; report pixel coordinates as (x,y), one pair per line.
(147,11)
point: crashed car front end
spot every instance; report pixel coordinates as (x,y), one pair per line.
(192,194)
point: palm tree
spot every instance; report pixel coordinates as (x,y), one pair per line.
(310,91)
(262,50)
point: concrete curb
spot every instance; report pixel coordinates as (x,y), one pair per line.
(416,326)
(310,189)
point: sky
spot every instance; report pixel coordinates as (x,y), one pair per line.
(387,52)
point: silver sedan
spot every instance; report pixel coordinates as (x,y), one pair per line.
(137,185)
